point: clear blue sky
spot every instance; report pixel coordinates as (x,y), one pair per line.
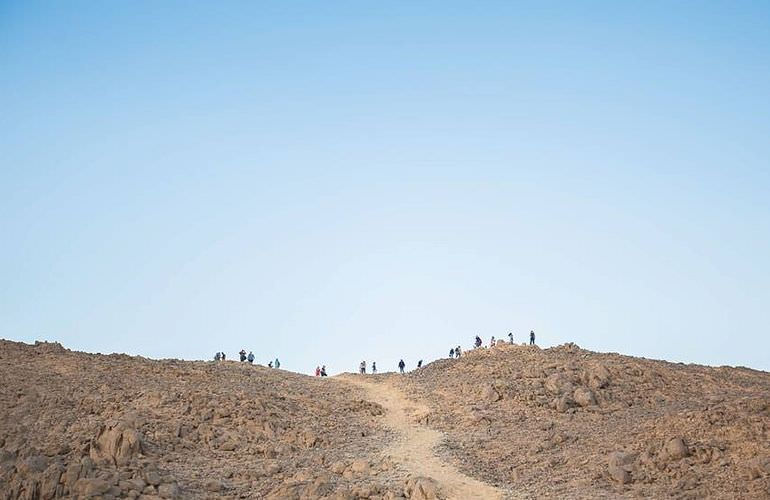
(335,181)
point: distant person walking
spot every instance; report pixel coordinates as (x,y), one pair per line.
(243,355)
(492,341)
(452,353)
(250,357)
(532,337)
(277,363)
(323,371)
(510,337)
(478,342)
(317,371)
(458,352)
(362,367)
(217,356)
(374,367)
(419,364)
(401,365)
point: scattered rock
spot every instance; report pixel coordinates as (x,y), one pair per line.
(676,449)
(584,397)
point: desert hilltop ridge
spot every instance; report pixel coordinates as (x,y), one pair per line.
(509,421)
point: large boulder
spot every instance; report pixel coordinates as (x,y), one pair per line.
(558,384)
(421,488)
(116,443)
(596,376)
(584,397)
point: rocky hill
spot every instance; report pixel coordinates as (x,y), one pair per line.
(504,422)
(566,422)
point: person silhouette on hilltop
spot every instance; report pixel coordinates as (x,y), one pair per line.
(532,337)
(451,353)
(374,367)
(323,371)
(250,357)
(401,365)
(510,336)
(478,342)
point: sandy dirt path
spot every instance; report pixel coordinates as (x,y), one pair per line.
(414,442)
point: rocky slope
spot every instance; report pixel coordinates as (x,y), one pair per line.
(514,420)
(565,422)
(75,424)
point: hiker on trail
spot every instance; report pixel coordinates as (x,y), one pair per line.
(250,357)
(223,355)
(317,371)
(269,364)
(362,367)
(374,367)
(323,371)
(532,337)
(401,365)
(458,352)
(277,363)
(451,353)
(478,342)
(510,336)
(419,364)
(243,355)
(217,356)
(492,341)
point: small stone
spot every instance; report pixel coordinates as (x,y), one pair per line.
(213,485)
(619,474)
(676,449)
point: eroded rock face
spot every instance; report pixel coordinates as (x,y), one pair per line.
(421,488)
(116,442)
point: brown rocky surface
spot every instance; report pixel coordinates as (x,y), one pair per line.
(502,422)
(89,425)
(565,423)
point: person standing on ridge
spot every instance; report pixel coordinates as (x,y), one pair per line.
(401,365)
(277,363)
(223,356)
(492,341)
(250,357)
(323,371)
(362,367)
(217,357)
(374,367)
(458,352)
(510,336)
(478,342)
(532,337)
(451,353)
(419,364)
(317,371)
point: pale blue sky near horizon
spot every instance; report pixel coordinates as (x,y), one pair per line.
(331,182)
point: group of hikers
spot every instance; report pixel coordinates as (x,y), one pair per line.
(478,343)
(320,371)
(220,356)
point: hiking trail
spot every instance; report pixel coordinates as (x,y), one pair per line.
(413,445)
